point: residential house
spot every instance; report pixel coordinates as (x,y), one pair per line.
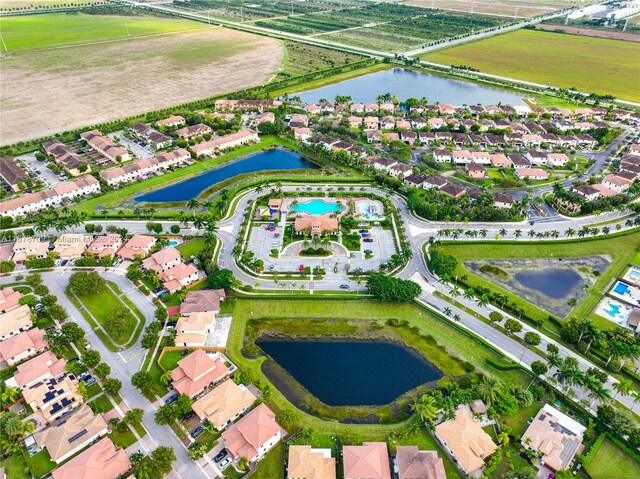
(105,146)
(354,121)
(316,224)
(299,118)
(202,301)
(411,463)
(426,137)
(55,397)
(22,346)
(224,404)
(475,171)
(391,136)
(191,131)
(266,117)
(172,121)
(163,260)
(27,247)
(49,198)
(538,158)
(417,180)
(302,134)
(455,191)
(586,141)
(304,462)
(192,330)
(401,169)
(233,140)
(466,441)
(569,141)
(418,123)
(81,428)
(198,371)
(369,461)
(519,161)
(616,182)
(253,435)
(434,181)
(374,136)
(442,156)
(66,158)
(101,461)
(436,123)
(481,157)
(387,123)
(71,246)
(141,169)
(151,136)
(588,192)
(12,173)
(105,245)
(15,321)
(555,436)
(371,123)
(444,136)
(37,369)
(461,157)
(558,159)
(446,108)
(403,125)
(371,108)
(179,276)
(381,163)
(536,174)
(502,200)
(9,299)
(409,136)
(500,160)
(137,247)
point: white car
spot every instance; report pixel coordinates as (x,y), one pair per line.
(224,463)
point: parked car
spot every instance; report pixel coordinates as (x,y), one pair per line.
(271,266)
(368,251)
(344,286)
(197,431)
(171,399)
(82,376)
(301,268)
(368,240)
(220,455)
(89,381)
(224,462)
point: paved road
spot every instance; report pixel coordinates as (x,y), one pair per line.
(125,364)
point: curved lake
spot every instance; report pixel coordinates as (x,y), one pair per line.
(277,159)
(555,283)
(352,373)
(408,83)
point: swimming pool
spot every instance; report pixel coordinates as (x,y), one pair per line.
(369,209)
(614,311)
(174,242)
(316,207)
(622,288)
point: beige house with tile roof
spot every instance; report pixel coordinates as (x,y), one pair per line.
(9,299)
(162,260)
(556,436)
(15,321)
(415,464)
(253,435)
(192,330)
(369,461)
(101,461)
(71,245)
(224,404)
(197,371)
(39,368)
(137,246)
(66,439)
(54,397)
(23,346)
(307,463)
(25,248)
(204,300)
(105,245)
(466,441)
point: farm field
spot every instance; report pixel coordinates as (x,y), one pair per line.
(23,5)
(609,458)
(512,8)
(300,59)
(168,63)
(589,64)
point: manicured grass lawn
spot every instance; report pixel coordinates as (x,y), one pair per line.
(620,250)
(56,29)
(455,341)
(124,439)
(93,390)
(231,473)
(193,247)
(611,460)
(103,402)
(15,467)
(209,439)
(590,64)
(40,463)
(272,466)
(636,259)
(156,371)
(102,305)
(170,359)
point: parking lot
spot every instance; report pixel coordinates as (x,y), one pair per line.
(138,148)
(45,174)
(262,241)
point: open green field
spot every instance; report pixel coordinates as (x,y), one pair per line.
(31,32)
(193,247)
(621,249)
(611,460)
(23,5)
(586,63)
(300,59)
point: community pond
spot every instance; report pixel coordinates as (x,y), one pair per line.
(555,284)
(351,372)
(409,83)
(276,159)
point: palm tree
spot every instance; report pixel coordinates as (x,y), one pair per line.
(517,233)
(193,204)
(456,317)
(554,359)
(490,389)
(447,311)
(166,377)
(483,300)
(455,292)
(469,294)
(504,439)
(426,408)
(599,394)
(615,349)
(623,387)
(10,394)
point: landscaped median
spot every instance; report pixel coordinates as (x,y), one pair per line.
(114,318)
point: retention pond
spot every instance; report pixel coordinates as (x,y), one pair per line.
(271,160)
(351,373)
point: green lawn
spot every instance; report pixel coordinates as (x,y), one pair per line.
(636,259)
(620,249)
(103,403)
(209,439)
(122,439)
(610,458)
(156,371)
(15,467)
(93,390)
(590,64)
(170,360)
(32,32)
(193,247)
(101,305)
(272,466)
(40,463)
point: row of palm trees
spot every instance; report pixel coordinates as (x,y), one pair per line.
(585,231)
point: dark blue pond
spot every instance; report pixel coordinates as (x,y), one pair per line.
(352,373)
(555,283)
(267,160)
(408,83)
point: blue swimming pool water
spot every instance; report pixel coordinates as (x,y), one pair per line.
(174,243)
(316,207)
(369,209)
(621,288)
(614,312)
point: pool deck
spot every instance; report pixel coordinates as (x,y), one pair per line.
(344,201)
(622,318)
(631,296)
